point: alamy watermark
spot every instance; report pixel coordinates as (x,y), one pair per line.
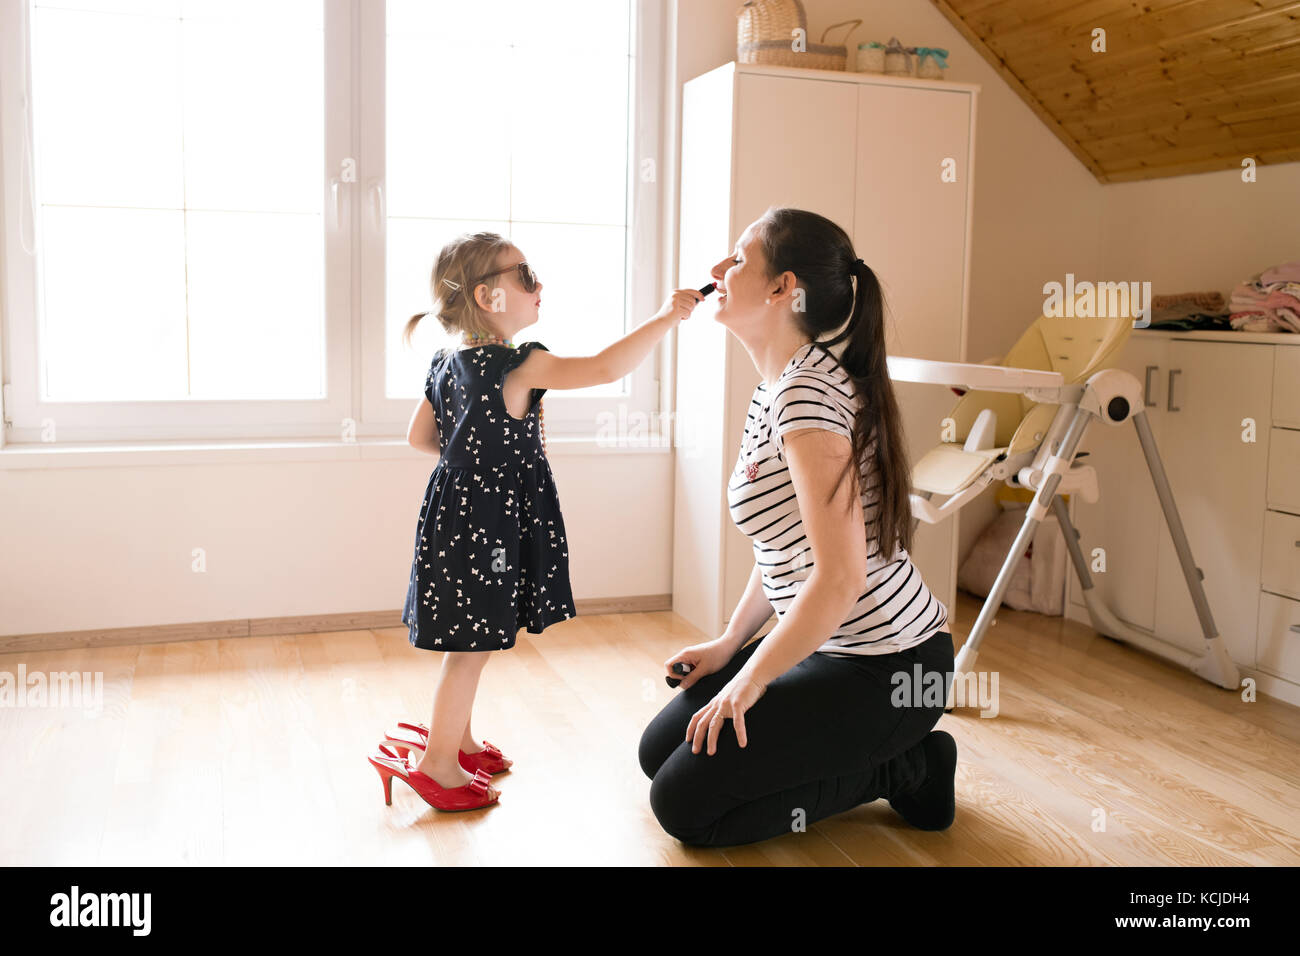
(930,689)
(75,690)
(1098,300)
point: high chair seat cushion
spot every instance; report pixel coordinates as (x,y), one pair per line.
(947,469)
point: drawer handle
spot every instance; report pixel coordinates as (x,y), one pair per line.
(1169,399)
(1146,387)
(1296,628)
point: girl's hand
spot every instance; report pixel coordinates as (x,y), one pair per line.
(732,701)
(705,659)
(680,304)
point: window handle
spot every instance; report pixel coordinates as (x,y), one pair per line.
(335,185)
(378,211)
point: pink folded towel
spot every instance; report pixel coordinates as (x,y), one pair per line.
(1287,272)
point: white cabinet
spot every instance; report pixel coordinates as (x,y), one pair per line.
(868,152)
(1225,412)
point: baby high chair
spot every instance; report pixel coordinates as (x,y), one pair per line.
(1021,422)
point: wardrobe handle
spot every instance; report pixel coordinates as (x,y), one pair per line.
(1296,628)
(1169,399)
(1146,387)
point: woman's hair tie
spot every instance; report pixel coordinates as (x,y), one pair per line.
(856,264)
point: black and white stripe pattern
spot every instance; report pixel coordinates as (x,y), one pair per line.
(895,610)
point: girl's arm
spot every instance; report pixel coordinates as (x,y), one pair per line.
(543,370)
(838,545)
(422,432)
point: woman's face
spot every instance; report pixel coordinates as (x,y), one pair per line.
(740,281)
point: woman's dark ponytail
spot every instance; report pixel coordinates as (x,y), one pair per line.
(821,256)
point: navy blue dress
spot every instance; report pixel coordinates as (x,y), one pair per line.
(490,551)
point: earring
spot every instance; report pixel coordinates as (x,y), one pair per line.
(768,301)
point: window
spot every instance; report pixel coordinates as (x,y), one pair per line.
(220,213)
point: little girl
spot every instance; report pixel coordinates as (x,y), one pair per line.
(490,549)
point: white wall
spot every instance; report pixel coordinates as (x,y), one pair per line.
(111,547)
(1201,233)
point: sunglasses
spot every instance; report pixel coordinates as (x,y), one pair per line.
(527,277)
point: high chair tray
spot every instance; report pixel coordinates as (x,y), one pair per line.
(995,378)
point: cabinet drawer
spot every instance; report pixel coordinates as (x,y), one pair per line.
(1278,642)
(1284,470)
(1281,569)
(1286,386)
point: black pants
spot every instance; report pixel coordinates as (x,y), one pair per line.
(825,737)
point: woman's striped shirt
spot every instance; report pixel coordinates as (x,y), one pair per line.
(895,609)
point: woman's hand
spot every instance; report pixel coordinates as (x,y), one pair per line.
(705,659)
(740,694)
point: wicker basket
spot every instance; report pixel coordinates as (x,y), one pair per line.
(765,34)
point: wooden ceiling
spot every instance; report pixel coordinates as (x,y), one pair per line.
(1185,86)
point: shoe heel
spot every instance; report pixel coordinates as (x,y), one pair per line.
(387,777)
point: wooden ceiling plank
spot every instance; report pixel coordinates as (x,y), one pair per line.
(1093,126)
(1016,19)
(1013,81)
(1169,81)
(1127,30)
(1055,69)
(1187,85)
(1282,140)
(1246,138)
(1179,169)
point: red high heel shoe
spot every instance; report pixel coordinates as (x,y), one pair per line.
(472,796)
(406,736)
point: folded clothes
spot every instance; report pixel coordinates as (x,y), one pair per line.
(1209,301)
(1268,302)
(1287,272)
(1254,302)
(1276,321)
(1193,321)
(1187,312)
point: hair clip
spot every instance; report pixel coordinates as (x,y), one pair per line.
(454,285)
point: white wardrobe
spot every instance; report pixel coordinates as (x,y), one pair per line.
(890,160)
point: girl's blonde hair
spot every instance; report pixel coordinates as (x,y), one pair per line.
(462,260)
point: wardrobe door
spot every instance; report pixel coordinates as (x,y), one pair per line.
(910,228)
(1218,480)
(794,147)
(701,462)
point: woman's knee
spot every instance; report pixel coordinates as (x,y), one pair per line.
(671,802)
(650,751)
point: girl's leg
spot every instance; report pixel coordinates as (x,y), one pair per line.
(452,702)
(471,745)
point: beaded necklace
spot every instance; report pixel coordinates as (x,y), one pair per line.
(475,339)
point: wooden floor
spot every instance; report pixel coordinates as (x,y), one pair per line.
(252,751)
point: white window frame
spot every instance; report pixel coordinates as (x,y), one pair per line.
(354,264)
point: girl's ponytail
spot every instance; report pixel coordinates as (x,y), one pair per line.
(458,263)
